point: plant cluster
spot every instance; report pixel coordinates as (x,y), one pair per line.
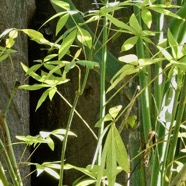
(159,62)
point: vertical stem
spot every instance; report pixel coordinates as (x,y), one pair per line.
(71,115)
(179,116)
(158,88)
(9,149)
(145,120)
(102,83)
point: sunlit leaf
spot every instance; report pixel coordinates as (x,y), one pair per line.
(33,87)
(147,17)
(61,4)
(115,110)
(13,34)
(39,169)
(163,11)
(62,132)
(62,21)
(50,143)
(84,37)
(10,42)
(52,93)
(53,173)
(49,57)
(66,44)
(36,36)
(83,170)
(135,24)
(130,58)
(176,49)
(129,43)
(119,23)
(86,182)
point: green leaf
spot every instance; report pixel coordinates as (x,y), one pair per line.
(130,58)
(123,72)
(131,121)
(86,182)
(135,24)
(3,57)
(52,92)
(34,68)
(53,69)
(10,42)
(115,110)
(62,21)
(129,43)
(49,57)
(163,11)
(111,163)
(119,23)
(103,158)
(84,37)
(36,36)
(63,132)
(53,173)
(165,53)
(88,64)
(176,51)
(42,98)
(61,4)
(146,17)
(50,143)
(121,153)
(33,87)
(83,170)
(39,169)
(66,44)
(13,34)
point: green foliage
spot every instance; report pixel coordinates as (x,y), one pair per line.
(160,113)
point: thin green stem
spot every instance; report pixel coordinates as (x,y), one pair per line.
(179,117)
(144,110)
(68,127)
(9,165)
(10,151)
(158,94)
(103,80)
